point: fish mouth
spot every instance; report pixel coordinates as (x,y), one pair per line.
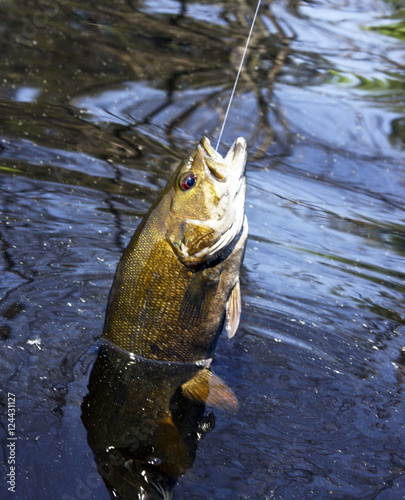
(232,167)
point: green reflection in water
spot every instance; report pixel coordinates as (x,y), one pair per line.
(393,83)
(396,30)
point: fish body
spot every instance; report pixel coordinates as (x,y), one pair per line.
(177,282)
(176,286)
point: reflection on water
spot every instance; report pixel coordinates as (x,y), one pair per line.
(98,103)
(142,430)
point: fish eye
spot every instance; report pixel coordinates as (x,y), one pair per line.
(187,181)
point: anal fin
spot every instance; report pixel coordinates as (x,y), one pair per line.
(206,387)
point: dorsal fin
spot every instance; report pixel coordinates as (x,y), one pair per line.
(208,388)
(233,311)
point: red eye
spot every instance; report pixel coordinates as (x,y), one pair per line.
(187,181)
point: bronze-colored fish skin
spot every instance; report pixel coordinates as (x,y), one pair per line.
(172,284)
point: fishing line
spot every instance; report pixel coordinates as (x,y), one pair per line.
(237,76)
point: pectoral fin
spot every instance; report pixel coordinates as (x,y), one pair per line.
(207,388)
(197,296)
(233,311)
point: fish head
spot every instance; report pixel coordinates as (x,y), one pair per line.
(207,206)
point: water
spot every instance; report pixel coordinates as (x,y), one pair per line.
(98,101)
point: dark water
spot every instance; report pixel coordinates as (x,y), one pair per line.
(98,101)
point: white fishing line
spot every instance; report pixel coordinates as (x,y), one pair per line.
(237,76)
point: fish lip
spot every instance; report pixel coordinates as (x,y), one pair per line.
(237,152)
(208,150)
(236,158)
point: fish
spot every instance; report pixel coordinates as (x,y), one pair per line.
(177,284)
(176,288)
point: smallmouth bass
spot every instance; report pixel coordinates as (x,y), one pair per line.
(176,286)
(177,282)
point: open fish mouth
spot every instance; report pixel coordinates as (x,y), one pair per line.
(230,168)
